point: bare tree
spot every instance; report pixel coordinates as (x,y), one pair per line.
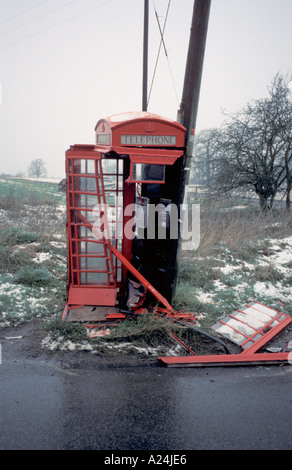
(37,168)
(256,147)
(206,154)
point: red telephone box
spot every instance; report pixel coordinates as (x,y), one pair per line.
(113,263)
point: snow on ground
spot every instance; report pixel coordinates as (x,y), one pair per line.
(205,297)
(66,345)
(282,256)
(240,281)
(18,302)
(59,344)
(276,291)
(229,268)
(41,257)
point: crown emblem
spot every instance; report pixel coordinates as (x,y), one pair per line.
(149,127)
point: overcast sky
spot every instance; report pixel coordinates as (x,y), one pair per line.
(66,64)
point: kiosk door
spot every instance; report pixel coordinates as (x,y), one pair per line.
(95,219)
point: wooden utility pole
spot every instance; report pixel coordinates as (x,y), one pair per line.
(145,56)
(187,114)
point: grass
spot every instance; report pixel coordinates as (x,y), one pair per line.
(234,227)
(32,251)
(267,274)
(66,330)
(198,274)
(16,236)
(15,190)
(237,261)
(143,335)
(33,276)
(151,331)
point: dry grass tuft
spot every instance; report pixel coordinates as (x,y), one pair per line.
(234,226)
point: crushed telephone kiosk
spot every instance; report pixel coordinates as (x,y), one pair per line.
(122,194)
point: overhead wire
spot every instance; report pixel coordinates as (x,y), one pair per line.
(22,12)
(166,54)
(159,48)
(57,24)
(162,42)
(38,17)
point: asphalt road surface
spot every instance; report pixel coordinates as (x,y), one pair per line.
(47,403)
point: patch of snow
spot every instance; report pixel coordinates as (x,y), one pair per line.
(24,246)
(58,244)
(219,285)
(277,291)
(58,235)
(241,287)
(283,255)
(228,269)
(68,345)
(4,219)
(148,351)
(248,265)
(41,257)
(18,301)
(12,289)
(61,208)
(205,297)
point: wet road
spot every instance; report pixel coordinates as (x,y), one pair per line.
(45,406)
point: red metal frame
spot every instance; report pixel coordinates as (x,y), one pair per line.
(226,360)
(253,324)
(248,356)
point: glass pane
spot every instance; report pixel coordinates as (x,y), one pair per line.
(109,166)
(145,172)
(88,202)
(110,182)
(93,279)
(81,183)
(90,264)
(91,248)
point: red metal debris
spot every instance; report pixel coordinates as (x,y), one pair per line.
(251,326)
(226,360)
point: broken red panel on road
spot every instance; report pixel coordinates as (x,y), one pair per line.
(251,326)
(226,360)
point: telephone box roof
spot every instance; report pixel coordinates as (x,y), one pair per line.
(117,120)
(139,129)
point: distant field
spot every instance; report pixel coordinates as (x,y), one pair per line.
(22,188)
